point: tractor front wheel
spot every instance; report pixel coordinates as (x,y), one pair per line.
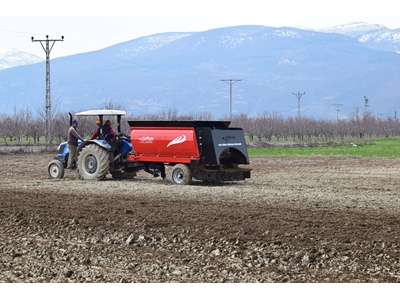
(181,174)
(55,169)
(93,163)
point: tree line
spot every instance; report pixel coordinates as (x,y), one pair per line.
(22,126)
(271,125)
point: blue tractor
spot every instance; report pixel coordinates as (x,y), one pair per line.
(96,158)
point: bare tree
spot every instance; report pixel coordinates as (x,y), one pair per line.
(170,115)
(291,128)
(274,121)
(369,123)
(325,129)
(356,123)
(41,112)
(36,129)
(259,127)
(203,116)
(250,128)
(59,127)
(394,126)
(19,121)
(341,129)
(267,125)
(112,105)
(5,127)
(279,124)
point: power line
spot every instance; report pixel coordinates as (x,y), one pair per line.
(14,31)
(47,49)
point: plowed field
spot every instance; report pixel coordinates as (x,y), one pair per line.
(317,219)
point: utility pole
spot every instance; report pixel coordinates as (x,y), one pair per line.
(365,106)
(231,82)
(337,112)
(298,95)
(47,49)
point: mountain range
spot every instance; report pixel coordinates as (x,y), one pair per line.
(190,72)
(11,57)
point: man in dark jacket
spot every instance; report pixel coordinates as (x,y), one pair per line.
(73,137)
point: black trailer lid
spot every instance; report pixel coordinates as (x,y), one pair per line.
(211,124)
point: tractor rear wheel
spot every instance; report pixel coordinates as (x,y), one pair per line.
(181,174)
(55,169)
(93,163)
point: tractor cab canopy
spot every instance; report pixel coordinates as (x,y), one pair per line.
(101,113)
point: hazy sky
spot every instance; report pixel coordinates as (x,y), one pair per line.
(92,25)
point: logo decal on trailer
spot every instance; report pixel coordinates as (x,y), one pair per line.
(178,140)
(146,139)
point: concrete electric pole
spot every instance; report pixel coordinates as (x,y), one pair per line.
(337,112)
(366,101)
(231,82)
(298,95)
(47,49)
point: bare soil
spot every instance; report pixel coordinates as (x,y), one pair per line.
(317,219)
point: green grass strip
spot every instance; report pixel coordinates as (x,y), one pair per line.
(374,148)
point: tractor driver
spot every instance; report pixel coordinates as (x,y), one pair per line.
(106,130)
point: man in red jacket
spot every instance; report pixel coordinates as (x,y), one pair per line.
(106,130)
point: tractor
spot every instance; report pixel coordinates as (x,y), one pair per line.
(210,151)
(96,158)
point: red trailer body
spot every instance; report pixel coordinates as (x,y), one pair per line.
(205,150)
(164,144)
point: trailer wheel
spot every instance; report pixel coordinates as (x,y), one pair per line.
(181,174)
(93,163)
(55,169)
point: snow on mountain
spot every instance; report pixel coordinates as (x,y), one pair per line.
(149,43)
(11,57)
(375,36)
(354,29)
(381,36)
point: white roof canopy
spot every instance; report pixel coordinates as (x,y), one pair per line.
(101,112)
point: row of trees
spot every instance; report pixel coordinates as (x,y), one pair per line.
(23,125)
(269,125)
